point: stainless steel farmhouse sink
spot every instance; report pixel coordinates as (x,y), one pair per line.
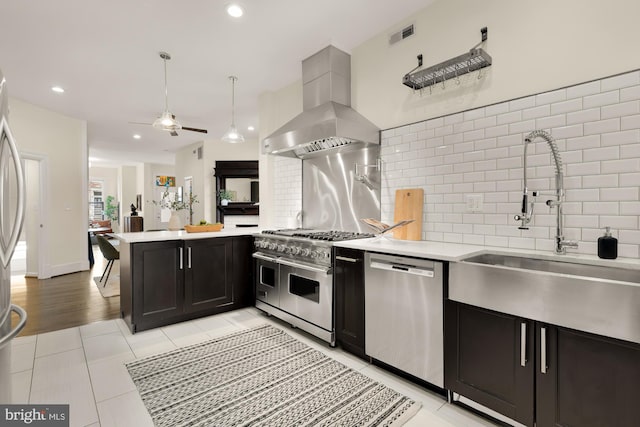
(600,299)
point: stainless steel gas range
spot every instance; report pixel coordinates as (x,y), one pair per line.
(294,277)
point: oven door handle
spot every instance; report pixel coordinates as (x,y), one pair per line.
(264,257)
(325,270)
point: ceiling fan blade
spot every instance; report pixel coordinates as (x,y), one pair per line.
(173,133)
(139,123)
(195,129)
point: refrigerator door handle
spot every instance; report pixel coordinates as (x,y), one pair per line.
(15,331)
(7,251)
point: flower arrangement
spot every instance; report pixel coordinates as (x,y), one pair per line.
(169,201)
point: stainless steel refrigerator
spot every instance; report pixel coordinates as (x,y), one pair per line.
(12,196)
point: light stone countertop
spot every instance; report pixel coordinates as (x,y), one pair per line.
(158,236)
(458,252)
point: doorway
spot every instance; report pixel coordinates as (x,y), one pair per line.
(29,259)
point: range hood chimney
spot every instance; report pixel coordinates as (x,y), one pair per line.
(327,122)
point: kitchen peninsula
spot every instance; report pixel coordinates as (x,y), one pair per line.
(172,276)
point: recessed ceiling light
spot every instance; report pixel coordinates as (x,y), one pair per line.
(57,89)
(250,128)
(136,136)
(235,10)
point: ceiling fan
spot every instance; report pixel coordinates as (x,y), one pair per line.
(167,120)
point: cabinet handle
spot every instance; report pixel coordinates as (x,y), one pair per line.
(344,258)
(523,344)
(263,294)
(543,350)
(189,257)
(180,255)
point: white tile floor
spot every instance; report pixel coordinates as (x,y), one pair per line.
(84,367)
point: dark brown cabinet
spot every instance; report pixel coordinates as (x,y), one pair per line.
(590,380)
(489,359)
(349,299)
(531,371)
(171,281)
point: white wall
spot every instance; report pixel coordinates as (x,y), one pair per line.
(535,46)
(62,141)
(152,192)
(188,165)
(128,191)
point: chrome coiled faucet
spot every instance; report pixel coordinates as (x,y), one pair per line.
(527,205)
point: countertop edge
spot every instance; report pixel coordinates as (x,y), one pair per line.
(158,236)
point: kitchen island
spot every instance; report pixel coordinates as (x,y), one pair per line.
(173,276)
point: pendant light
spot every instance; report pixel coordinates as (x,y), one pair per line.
(233,136)
(167,121)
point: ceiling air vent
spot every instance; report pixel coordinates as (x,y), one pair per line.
(401,35)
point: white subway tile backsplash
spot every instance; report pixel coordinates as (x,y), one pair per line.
(630,151)
(591,168)
(621,166)
(630,236)
(601,208)
(583,116)
(584,89)
(567,106)
(619,194)
(606,98)
(454,118)
(628,251)
(522,103)
(507,118)
(629,179)
(536,112)
(630,93)
(598,181)
(494,110)
(525,126)
(602,126)
(630,122)
(551,97)
(494,131)
(484,122)
(618,110)
(606,153)
(551,121)
(480,151)
(620,81)
(474,114)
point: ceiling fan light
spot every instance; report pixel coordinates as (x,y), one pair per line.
(235,10)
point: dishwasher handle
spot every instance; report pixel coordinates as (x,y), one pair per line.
(403,268)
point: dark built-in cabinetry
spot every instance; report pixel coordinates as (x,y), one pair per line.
(227,171)
(535,372)
(175,280)
(349,299)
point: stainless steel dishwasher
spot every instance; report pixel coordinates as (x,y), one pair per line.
(404,314)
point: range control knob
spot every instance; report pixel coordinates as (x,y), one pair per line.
(295,250)
(272,246)
(305,252)
(281,248)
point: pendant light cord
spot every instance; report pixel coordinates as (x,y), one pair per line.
(233,100)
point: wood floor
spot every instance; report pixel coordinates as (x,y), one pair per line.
(63,301)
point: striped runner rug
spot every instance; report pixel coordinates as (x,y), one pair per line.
(262,377)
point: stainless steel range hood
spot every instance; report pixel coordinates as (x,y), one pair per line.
(327,123)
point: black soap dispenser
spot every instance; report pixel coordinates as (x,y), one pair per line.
(608,245)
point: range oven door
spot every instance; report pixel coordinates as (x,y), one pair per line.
(267,276)
(307,292)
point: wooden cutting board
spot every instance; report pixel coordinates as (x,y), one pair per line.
(409,205)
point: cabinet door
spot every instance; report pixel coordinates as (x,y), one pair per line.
(158,282)
(349,299)
(208,269)
(589,380)
(489,359)
(243,287)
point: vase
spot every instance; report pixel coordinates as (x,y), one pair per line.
(175,223)
(224,202)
